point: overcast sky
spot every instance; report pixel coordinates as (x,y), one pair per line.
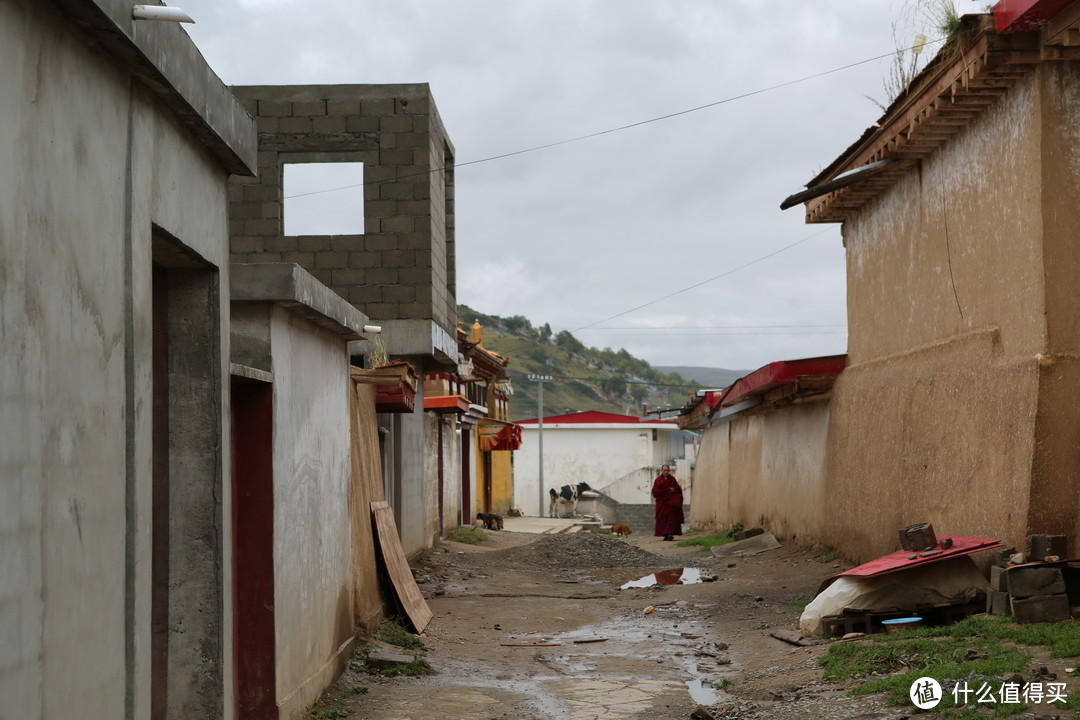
(579,233)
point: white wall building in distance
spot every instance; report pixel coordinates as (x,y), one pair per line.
(618,455)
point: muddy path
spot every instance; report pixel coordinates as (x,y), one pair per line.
(538,627)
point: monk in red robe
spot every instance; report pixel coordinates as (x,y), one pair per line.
(669,504)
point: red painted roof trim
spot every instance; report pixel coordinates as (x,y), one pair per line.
(594,417)
(1014,16)
(447,403)
(774,374)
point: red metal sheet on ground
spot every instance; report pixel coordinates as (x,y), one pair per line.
(900,560)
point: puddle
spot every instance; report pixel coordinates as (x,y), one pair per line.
(702,692)
(680,576)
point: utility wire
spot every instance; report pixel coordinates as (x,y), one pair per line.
(704,282)
(632,125)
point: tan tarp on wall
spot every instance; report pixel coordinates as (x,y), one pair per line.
(366,479)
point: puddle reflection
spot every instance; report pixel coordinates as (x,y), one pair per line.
(702,693)
(680,576)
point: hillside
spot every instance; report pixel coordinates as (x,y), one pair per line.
(706,377)
(582,378)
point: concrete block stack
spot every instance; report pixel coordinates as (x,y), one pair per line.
(1032,586)
(400,265)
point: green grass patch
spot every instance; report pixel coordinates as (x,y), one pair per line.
(829,557)
(467,534)
(392,633)
(357,690)
(331,712)
(800,604)
(977,650)
(707,542)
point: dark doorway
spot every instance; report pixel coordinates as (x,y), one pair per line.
(466,476)
(253,549)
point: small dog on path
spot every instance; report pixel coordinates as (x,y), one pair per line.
(621,530)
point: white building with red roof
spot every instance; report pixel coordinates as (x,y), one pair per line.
(618,455)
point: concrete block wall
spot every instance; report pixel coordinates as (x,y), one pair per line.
(400,265)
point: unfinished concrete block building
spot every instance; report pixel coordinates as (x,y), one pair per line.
(397,268)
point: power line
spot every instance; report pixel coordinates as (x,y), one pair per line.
(632,125)
(704,282)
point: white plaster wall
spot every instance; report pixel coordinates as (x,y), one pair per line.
(312,550)
(596,454)
(75,361)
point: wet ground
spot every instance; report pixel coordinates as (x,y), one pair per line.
(539,628)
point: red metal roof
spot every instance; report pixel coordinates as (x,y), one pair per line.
(900,560)
(594,417)
(774,374)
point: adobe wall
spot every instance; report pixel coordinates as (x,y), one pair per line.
(766,470)
(963,329)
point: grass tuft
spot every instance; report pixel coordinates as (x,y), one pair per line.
(392,633)
(707,542)
(467,534)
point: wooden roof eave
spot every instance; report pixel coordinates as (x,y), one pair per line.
(951,92)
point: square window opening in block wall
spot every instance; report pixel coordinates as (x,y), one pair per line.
(324,198)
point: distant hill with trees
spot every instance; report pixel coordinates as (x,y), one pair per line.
(582,377)
(706,377)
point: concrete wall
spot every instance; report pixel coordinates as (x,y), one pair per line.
(597,455)
(95,163)
(312,550)
(766,470)
(963,332)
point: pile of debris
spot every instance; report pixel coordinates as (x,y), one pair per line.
(1036,586)
(928,581)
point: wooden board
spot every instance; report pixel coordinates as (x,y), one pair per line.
(398,567)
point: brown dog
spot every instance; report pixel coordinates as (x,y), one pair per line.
(622,530)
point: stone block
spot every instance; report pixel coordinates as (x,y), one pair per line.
(1041,546)
(328,125)
(997,602)
(397,224)
(263,226)
(347,243)
(332,260)
(361,124)
(312,108)
(377,107)
(343,107)
(296,125)
(386,660)
(272,107)
(744,534)
(997,578)
(396,124)
(1041,608)
(280,244)
(1029,581)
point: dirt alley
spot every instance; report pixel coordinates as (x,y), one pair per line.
(536,627)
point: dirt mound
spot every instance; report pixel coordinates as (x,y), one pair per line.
(579,550)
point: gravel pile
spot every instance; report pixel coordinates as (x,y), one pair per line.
(579,550)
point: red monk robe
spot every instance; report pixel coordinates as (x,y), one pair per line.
(669,505)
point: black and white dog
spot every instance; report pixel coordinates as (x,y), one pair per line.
(566,495)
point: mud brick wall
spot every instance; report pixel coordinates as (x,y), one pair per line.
(400,265)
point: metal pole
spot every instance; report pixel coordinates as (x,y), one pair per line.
(539,379)
(540,445)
